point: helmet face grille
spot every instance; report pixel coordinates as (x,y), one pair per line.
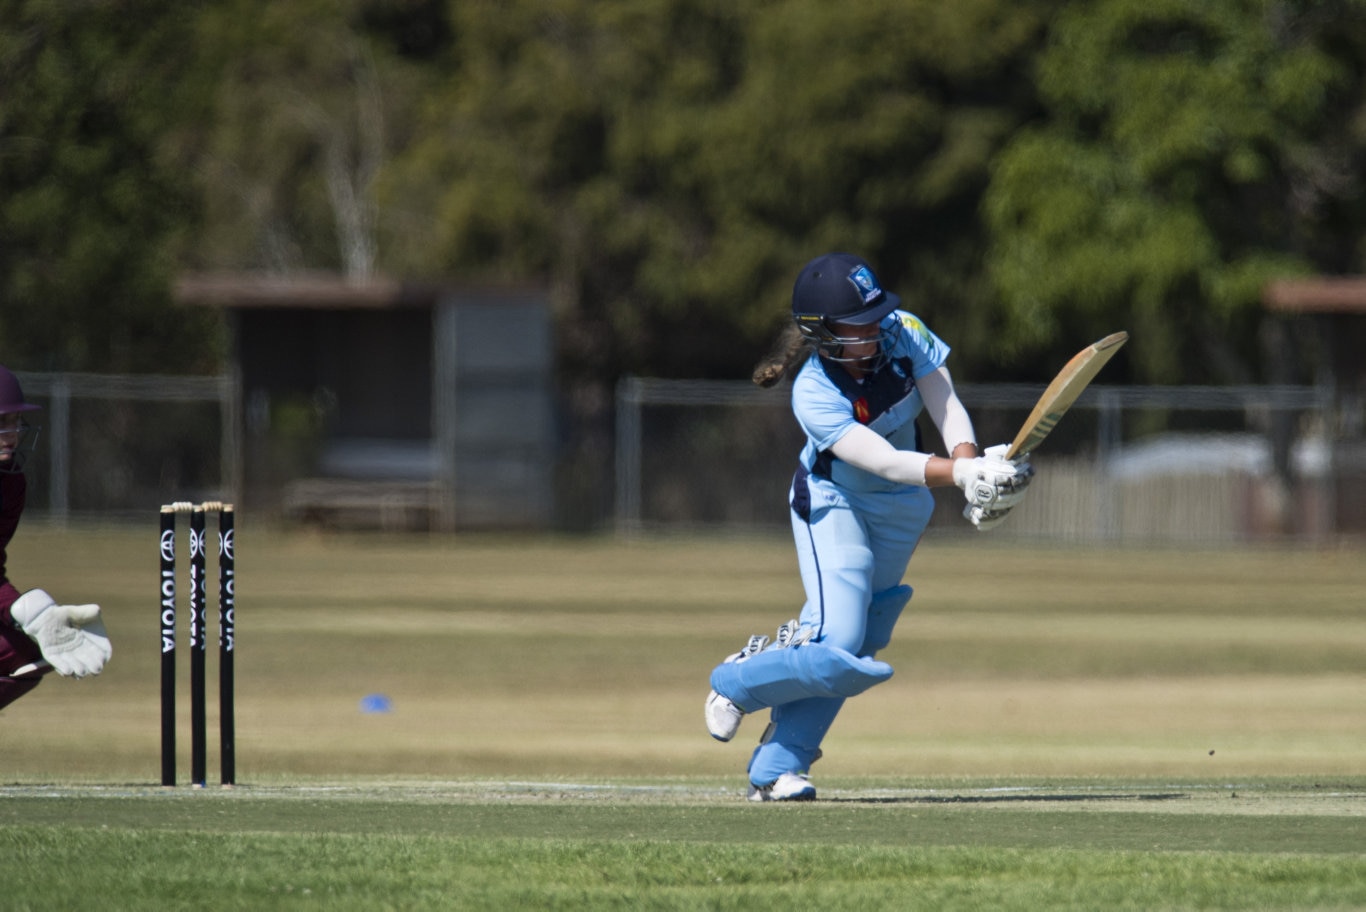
(832,345)
(28,439)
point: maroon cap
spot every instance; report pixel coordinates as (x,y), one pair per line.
(12,395)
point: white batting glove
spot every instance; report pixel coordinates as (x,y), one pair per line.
(991,482)
(1011,499)
(72,637)
(999,452)
(987,518)
(985,521)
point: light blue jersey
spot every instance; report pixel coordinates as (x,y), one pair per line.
(826,405)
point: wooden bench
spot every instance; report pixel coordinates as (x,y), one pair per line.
(388,504)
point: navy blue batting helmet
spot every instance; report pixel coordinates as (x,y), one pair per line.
(839,288)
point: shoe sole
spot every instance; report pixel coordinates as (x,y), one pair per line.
(759,798)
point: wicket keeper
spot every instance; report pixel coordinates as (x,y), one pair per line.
(36,634)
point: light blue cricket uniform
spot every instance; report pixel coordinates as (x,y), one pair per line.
(854,531)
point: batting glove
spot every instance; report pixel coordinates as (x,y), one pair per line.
(992,483)
(1011,498)
(985,520)
(999,452)
(71,637)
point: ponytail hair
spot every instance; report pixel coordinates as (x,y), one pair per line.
(789,353)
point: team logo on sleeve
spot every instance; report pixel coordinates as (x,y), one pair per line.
(913,324)
(861,413)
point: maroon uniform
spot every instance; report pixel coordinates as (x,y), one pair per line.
(16,439)
(16,649)
(13,490)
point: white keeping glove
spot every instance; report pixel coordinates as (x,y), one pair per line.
(72,637)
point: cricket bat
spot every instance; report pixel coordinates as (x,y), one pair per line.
(1074,377)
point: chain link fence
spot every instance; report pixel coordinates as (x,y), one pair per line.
(117,446)
(1148,465)
(1140,464)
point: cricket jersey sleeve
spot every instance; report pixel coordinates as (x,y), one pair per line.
(926,350)
(823,413)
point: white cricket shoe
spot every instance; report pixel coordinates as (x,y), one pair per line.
(787,787)
(723,717)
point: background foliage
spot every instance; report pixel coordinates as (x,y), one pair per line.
(1030,175)
(92,208)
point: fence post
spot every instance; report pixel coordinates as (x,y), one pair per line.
(1326,519)
(59,482)
(627,506)
(1109,437)
(230,446)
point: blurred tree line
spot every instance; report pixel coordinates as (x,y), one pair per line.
(1029,174)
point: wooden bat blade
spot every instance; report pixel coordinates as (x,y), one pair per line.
(1074,377)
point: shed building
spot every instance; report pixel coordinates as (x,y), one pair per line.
(390,403)
(1335,308)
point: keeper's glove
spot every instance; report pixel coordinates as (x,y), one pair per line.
(71,637)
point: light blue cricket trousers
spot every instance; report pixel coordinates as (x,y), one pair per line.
(852,548)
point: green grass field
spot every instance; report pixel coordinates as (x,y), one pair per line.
(1067,728)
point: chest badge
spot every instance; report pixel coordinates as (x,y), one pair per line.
(861,413)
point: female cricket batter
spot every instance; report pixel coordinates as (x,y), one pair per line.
(859,502)
(36,634)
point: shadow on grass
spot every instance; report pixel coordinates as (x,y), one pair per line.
(1005,799)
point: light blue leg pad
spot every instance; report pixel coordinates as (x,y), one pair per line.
(780,676)
(793,738)
(797,729)
(883,613)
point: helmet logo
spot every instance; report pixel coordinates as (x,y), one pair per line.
(866,284)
